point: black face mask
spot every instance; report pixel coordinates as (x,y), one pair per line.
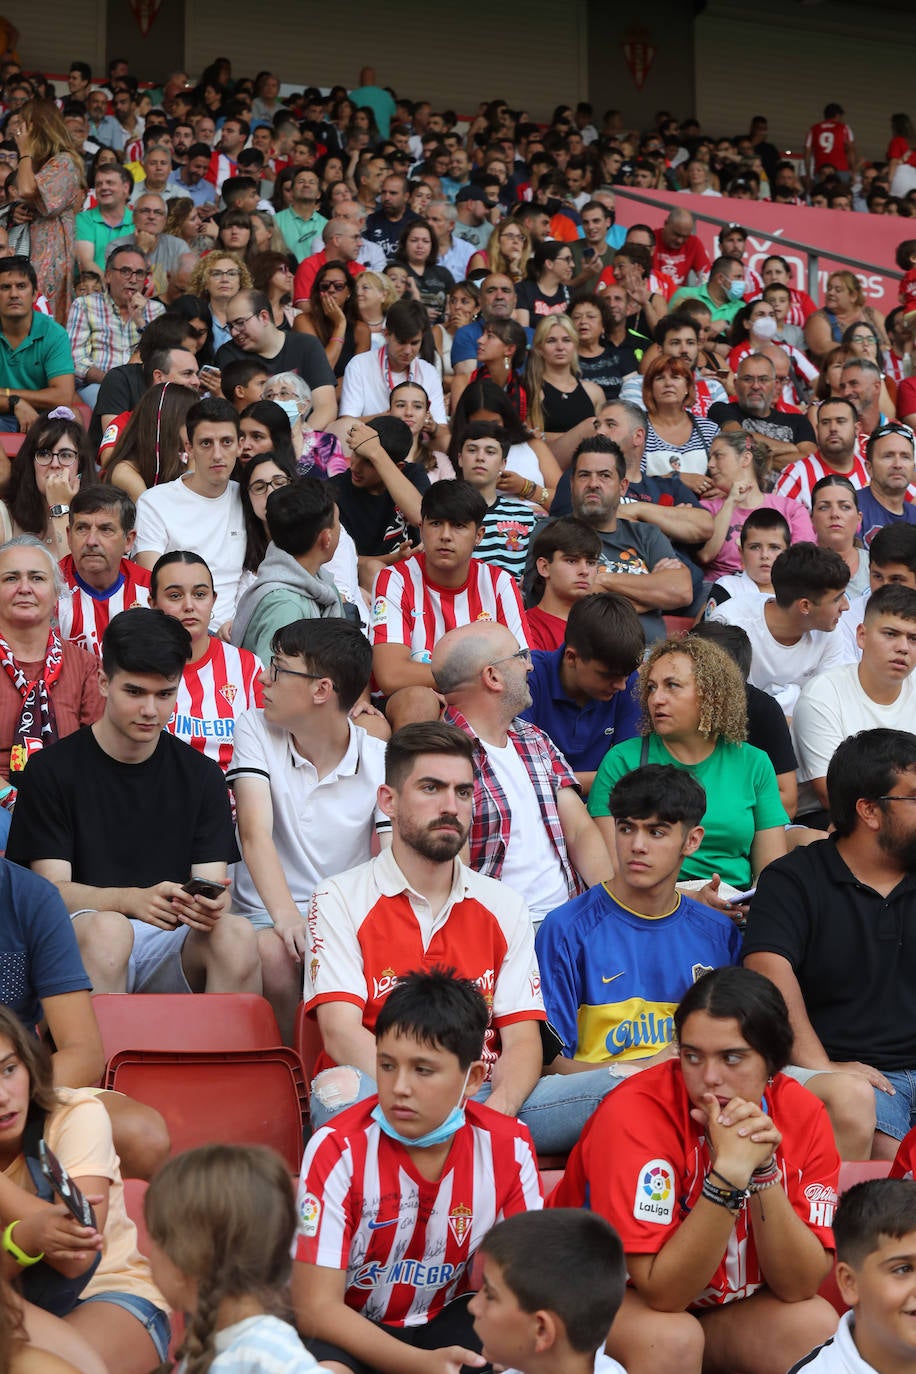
(553,205)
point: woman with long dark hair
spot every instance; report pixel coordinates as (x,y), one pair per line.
(45,475)
(428,283)
(333,317)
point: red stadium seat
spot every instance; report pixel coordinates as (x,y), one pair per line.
(134,1193)
(851,1171)
(307,1040)
(677,625)
(249,1097)
(82,412)
(176,1021)
(11,443)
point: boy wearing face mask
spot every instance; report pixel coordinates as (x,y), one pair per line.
(398,1192)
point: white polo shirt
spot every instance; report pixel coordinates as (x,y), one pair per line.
(321,826)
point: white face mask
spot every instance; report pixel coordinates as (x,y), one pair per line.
(765,327)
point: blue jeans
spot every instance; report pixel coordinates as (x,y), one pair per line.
(895,1115)
(555,1110)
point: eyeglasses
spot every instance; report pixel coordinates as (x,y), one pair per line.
(224,272)
(67,457)
(260,485)
(129,273)
(274,670)
(149,210)
(523,654)
(907,799)
(236,326)
(10,159)
(327,286)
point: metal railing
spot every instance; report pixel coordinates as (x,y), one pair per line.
(812,254)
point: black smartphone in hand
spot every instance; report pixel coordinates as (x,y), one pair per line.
(64,1186)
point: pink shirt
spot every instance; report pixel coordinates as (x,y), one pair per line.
(728,559)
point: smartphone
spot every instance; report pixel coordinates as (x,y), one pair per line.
(210,376)
(587,254)
(64,1186)
(740,898)
(200,887)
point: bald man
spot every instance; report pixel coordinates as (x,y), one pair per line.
(530,827)
(678,251)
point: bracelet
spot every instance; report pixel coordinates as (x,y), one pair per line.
(11,1248)
(545,497)
(766,1176)
(732,1187)
(340,341)
(734,1200)
(526,490)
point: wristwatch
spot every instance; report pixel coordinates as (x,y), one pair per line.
(59,510)
(11,1248)
(13,401)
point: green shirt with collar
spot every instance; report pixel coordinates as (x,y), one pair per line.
(727,312)
(44,353)
(91,228)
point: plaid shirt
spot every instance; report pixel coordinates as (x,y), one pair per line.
(99,336)
(492,823)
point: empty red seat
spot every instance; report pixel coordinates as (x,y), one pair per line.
(179,1021)
(851,1171)
(11,443)
(248,1097)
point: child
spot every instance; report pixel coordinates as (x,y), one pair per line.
(552,1284)
(221,1221)
(764,536)
(565,554)
(243,382)
(875,1234)
(508,523)
(398,1192)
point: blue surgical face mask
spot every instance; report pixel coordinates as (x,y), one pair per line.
(290,410)
(737,288)
(438,1135)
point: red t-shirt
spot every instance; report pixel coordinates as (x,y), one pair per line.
(826,141)
(678,263)
(545,631)
(308,270)
(642,1159)
(906,398)
(904,1165)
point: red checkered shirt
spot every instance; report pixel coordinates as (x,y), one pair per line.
(490,828)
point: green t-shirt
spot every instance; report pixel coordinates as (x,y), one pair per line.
(742,797)
(728,311)
(91,228)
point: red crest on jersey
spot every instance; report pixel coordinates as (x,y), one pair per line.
(459,1222)
(228,690)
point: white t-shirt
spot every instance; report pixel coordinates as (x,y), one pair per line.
(172,516)
(780,669)
(739,586)
(831,707)
(531,865)
(846,630)
(321,826)
(368,380)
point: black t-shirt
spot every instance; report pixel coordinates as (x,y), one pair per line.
(767,730)
(852,950)
(120,390)
(786,427)
(122,824)
(300,353)
(433,286)
(615,362)
(374,522)
(530,297)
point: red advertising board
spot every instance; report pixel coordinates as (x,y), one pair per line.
(869,238)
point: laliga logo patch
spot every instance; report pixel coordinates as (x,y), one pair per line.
(655,1193)
(309,1215)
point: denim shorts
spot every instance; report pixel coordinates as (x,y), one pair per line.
(896,1114)
(151,1318)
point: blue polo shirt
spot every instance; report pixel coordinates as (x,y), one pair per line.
(39,956)
(583,733)
(44,353)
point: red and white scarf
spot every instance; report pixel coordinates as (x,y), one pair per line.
(37,726)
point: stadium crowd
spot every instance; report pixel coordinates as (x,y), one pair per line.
(429,599)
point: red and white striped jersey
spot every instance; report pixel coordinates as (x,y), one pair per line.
(84,613)
(409,609)
(406,1243)
(799,478)
(214,691)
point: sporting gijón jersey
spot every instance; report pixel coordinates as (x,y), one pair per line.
(904,1165)
(214,690)
(406,1243)
(642,1159)
(84,613)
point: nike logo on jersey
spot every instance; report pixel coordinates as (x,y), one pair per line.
(615,977)
(377,1225)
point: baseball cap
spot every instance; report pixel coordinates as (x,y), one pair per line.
(470,192)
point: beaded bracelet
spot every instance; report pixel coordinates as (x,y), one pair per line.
(734,1199)
(766,1176)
